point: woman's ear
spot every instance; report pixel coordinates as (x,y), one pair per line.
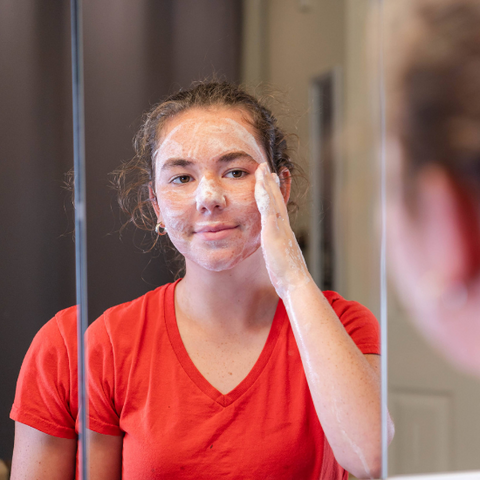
(448,220)
(285,178)
(153,199)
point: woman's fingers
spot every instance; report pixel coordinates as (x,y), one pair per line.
(262,196)
(274,182)
(271,205)
(272,186)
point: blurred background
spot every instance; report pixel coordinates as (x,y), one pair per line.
(313,52)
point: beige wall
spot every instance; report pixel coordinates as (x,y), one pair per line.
(288,44)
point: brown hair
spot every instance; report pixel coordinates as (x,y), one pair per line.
(132,179)
(434,91)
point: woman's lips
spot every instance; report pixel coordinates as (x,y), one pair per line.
(215,232)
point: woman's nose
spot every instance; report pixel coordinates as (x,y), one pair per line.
(209,196)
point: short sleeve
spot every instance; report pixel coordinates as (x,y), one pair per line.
(359,322)
(103,417)
(44,386)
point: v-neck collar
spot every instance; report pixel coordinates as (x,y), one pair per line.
(192,371)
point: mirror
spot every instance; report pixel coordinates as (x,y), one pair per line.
(435,404)
(37,256)
(310,50)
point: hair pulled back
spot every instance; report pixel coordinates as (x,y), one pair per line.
(134,178)
(435,80)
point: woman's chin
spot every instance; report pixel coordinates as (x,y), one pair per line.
(220,260)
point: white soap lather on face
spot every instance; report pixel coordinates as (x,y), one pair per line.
(209,195)
(197,145)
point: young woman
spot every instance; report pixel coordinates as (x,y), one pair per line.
(243,368)
(434,156)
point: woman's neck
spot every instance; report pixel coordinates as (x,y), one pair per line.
(235,299)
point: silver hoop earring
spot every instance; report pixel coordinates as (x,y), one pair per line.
(160,229)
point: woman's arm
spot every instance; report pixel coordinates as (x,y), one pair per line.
(45,457)
(344,383)
(104,456)
(42,456)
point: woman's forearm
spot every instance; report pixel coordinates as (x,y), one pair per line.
(345,388)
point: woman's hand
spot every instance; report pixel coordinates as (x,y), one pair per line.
(283,257)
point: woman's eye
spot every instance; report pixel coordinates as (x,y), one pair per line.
(182,179)
(236,174)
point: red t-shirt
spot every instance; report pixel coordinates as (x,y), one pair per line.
(46,397)
(143,385)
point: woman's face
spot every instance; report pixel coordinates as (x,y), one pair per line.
(431,262)
(204,185)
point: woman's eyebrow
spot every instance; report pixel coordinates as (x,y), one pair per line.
(229,157)
(176,162)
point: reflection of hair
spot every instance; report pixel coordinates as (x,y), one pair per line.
(133,178)
(435,79)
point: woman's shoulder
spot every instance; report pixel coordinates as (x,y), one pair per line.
(66,323)
(359,322)
(60,330)
(126,339)
(344,307)
(129,317)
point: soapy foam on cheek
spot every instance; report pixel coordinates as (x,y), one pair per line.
(172,211)
(174,206)
(225,254)
(220,255)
